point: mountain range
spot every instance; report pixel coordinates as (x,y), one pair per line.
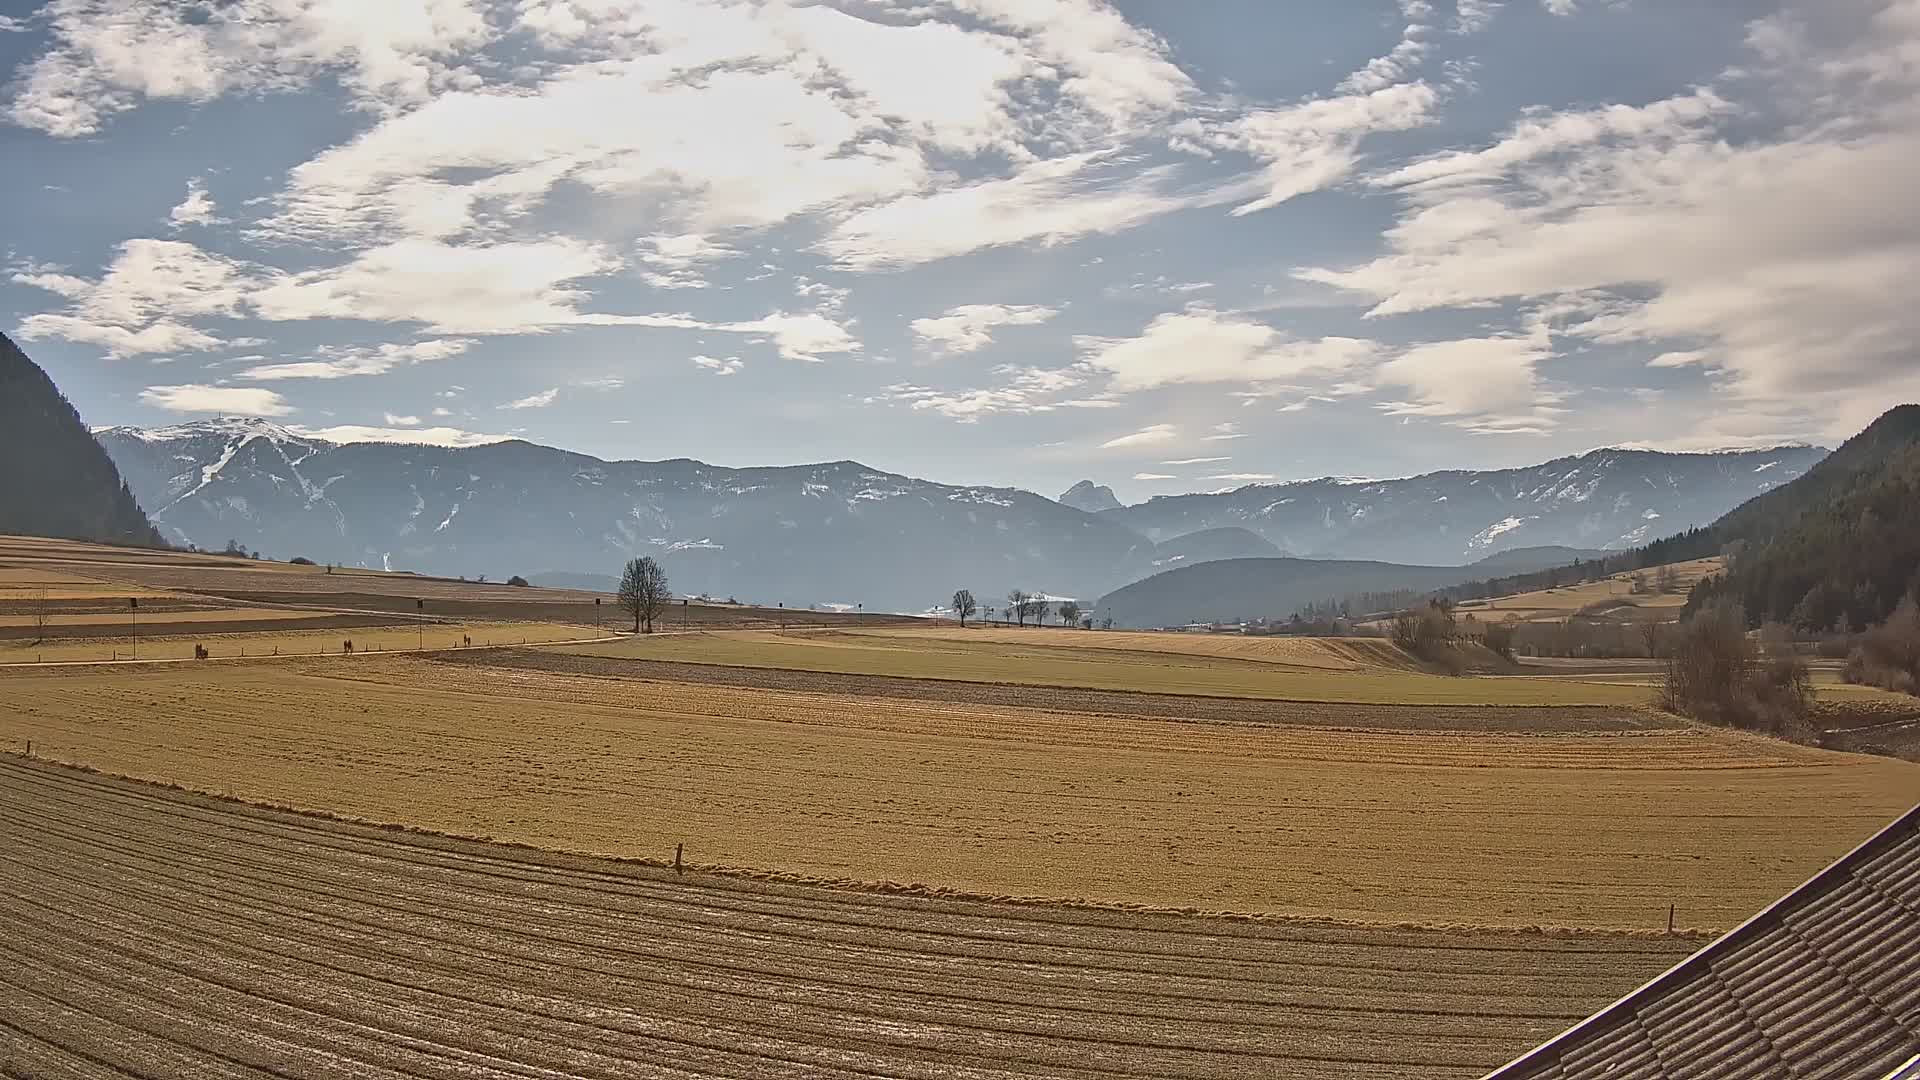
(1608,499)
(843,532)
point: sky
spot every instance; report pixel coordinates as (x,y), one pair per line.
(1163,245)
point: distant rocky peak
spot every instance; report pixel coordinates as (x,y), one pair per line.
(1090,497)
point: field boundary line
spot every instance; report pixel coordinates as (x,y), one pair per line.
(35,665)
(1069,686)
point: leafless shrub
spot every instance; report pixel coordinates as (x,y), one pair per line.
(1716,673)
(1428,632)
(1888,655)
(1500,637)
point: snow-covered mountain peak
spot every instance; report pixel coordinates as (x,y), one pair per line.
(219,426)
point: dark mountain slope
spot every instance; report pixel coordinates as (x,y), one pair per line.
(1840,545)
(1527,560)
(55,480)
(1233,589)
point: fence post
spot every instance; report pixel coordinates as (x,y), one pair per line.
(676,857)
(1669,918)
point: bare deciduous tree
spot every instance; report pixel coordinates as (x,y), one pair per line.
(1035,608)
(1714,672)
(39,608)
(1666,579)
(1652,629)
(643,591)
(1069,613)
(1018,605)
(964,605)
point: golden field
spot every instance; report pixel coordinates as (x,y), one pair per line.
(1506,828)
(912,849)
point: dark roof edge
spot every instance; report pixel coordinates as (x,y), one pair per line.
(1759,923)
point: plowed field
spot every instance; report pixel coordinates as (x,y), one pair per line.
(1581,828)
(154,933)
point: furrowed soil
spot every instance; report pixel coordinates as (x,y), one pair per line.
(1156,663)
(1469,826)
(151,932)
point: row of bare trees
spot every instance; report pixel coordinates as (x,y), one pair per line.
(1021,606)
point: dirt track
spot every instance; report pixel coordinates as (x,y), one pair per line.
(1530,719)
(152,932)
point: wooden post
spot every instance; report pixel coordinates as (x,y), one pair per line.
(29,747)
(1669,918)
(677,848)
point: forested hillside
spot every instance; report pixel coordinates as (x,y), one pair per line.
(55,480)
(1837,548)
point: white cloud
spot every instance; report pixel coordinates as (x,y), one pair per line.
(970,327)
(195,209)
(1542,134)
(402,421)
(797,337)
(108,55)
(1113,75)
(730,365)
(137,305)
(342,363)
(1561,7)
(1202,345)
(1196,461)
(159,337)
(1023,390)
(534,401)
(1472,16)
(601,382)
(1048,202)
(1773,263)
(418,436)
(1152,476)
(510,287)
(1486,385)
(676,261)
(1151,435)
(1315,145)
(230,400)
(1242,477)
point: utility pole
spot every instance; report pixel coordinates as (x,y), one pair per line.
(420,609)
(133,606)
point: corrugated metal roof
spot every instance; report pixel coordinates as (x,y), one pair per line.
(1825,983)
